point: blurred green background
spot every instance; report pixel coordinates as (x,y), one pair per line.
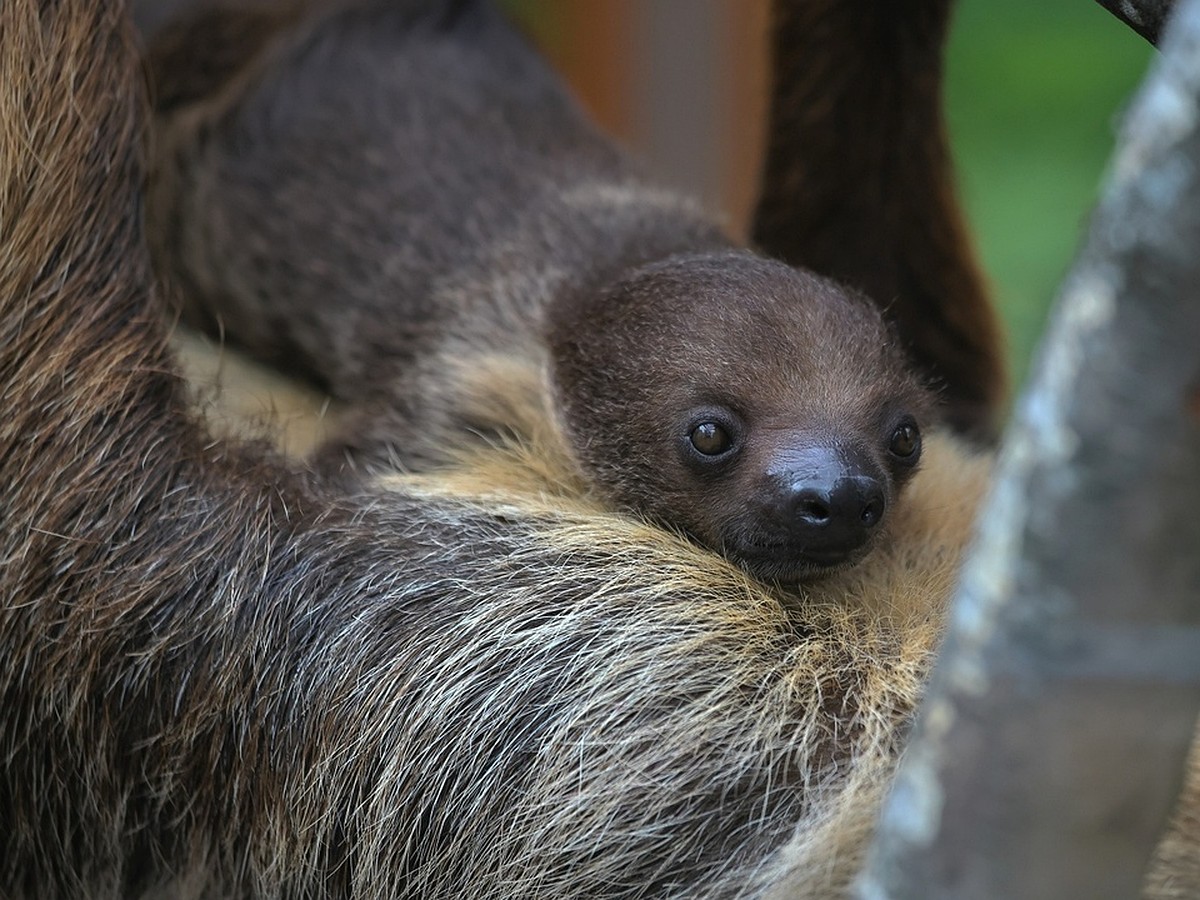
(1034,96)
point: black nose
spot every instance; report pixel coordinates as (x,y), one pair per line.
(839,513)
(827,501)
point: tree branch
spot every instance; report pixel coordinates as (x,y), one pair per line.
(1146,17)
(1050,747)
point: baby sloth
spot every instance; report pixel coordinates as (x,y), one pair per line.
(403,203)
(762,409)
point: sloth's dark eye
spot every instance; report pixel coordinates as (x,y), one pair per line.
(906,440)
(711,439)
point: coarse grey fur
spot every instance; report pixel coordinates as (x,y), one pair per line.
(221,679)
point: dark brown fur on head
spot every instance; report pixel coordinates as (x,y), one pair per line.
(796,384)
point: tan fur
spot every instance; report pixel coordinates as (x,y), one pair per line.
(239,397)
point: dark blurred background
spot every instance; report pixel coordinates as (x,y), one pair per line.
(1034,94)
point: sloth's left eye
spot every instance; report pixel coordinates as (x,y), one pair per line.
(711,439)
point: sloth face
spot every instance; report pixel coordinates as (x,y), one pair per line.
(788,497)
(763,411)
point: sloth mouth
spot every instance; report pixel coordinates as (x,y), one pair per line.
(785,563)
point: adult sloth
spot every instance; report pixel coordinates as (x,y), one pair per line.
(223,679)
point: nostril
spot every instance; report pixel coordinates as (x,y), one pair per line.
(872,513)
(812,509)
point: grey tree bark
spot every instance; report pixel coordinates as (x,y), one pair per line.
(1051,745)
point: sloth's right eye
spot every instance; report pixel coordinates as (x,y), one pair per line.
(711,439)
(905,442)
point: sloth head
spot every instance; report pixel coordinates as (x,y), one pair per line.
(766,412)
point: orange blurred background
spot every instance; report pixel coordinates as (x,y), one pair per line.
(682,83)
